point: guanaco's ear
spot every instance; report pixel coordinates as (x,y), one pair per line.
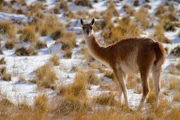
(93,21)
(82,23)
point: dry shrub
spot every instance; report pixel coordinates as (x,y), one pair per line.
(174,84)
(136,3)
(142,17)
(174,114)
(177,97)
(22,51)
(176,51)
(111,10)
(28,34)
(65,107)
(129,10)
(6,27)
(160,10)
(41,103)
(46,76)
(10,43)
(150,97)
(4,75)
(40,44)
(86,3)
(68,41)
(106,99)
(159,34)
(2,61)
(55,60)
(92,78)
(51,26)
(78,88)
(125,29)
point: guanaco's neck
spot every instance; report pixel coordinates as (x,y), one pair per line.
(95,49)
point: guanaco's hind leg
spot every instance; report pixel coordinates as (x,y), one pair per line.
(156,73)
(120,77)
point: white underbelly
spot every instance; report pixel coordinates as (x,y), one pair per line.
(130,69)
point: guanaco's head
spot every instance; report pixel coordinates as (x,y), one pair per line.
(87,28)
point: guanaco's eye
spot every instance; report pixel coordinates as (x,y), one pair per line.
(91,27)
(83,28)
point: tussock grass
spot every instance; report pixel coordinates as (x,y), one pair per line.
(10,44)
(111,10)
(55,60)
(46,76)
(85,3)
(124,29)
(8,28)
(136,3)
(92,78)
(4,75)
(28,34)
(159,34)
(174,84)
(106,99)
(176,51)
(22,51)
(50,25)
(40,44)
(160,10)
(142,17)
(86,54)
(129,10)
(78,88)
(2,61)
(177,97)
(41,103)
(150,97)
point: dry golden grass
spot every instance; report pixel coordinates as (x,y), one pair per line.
(92,78)
(2,61)
(86,54)
(159,34)
(174,84)
(106,99)
(40,44)
(8,28)
(50,25)
(10,43)
(78,88)
(176,51)
(111,10)
(177,97)
(46,76)
(125,29)
(160,10)
(28,34)
(142,17)
(22,51)
(150,97)
(129,10)
(55,60)
(4,75)
(86,3)
(41,103)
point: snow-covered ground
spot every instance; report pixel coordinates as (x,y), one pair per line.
(25,66)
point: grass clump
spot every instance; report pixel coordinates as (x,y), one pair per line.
(142,17)
(160,10)
(150,97)
(10,44)
(92,78)
(78,88)
(176,51)
(85,3)
(2,61)
(111,10)
(174,84)
(159,34)
(6,27)
(4,75)
(41,103)
(46,76)
(22,51)
(177,97)
(40,44)
(28,34)
(106,99)
(55,60)
(130,11)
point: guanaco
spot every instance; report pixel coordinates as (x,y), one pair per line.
(129,56)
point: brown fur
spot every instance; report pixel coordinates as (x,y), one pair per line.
(132,55)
